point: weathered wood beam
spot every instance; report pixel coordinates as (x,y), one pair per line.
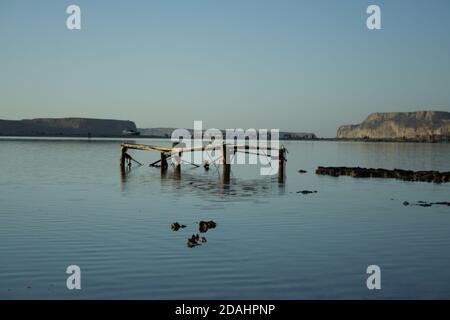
(145,147)
(226,163)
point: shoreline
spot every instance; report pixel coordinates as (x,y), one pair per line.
(79,136)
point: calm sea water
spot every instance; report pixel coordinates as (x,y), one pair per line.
(64,202)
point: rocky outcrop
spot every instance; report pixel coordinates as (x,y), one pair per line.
(65,127)
(406,175)
(414,126)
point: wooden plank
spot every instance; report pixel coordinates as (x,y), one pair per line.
(145,147)
(193,149)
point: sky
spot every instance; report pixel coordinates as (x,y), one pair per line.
(308,65)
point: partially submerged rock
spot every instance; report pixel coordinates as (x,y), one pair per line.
(195,240)
(443,203)
(307,191)
(176,226)
(429,204)
(405,175)
(191,243)
(203,226)
(302,171)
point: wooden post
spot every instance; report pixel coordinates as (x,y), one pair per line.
(226,163)
(123,151)
(281,164)
(177,166)
(164,164)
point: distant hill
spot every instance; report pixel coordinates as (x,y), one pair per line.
(65,127)
(409,126)
(98,128)
(167,133)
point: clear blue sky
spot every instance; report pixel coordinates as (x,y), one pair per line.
(294,65)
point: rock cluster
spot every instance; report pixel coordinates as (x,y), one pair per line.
(405,175)
(195,239)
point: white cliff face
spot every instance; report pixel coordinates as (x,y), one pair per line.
(420,125)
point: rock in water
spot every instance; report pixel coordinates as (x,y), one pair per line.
(307,191)
(176,226)
(205,225)
(406,175)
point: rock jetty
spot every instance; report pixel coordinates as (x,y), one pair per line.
(405,175)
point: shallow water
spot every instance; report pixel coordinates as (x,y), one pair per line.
(64,202)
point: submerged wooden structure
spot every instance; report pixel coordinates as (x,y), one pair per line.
(227,150)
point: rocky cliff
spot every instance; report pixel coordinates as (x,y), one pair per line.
(65,127)
(414,126)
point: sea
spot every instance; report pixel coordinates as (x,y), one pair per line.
(65,202)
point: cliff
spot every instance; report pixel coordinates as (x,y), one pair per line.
(413,126)
(65,127)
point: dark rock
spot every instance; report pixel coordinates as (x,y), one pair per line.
(302,171)
(405,203)
(424,204)
(405,175)
(195,240)
(211,224)
(429,204)
(205,225)
(176,226)
(307,191)
(191,243)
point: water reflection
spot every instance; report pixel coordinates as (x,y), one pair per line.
(207,184)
